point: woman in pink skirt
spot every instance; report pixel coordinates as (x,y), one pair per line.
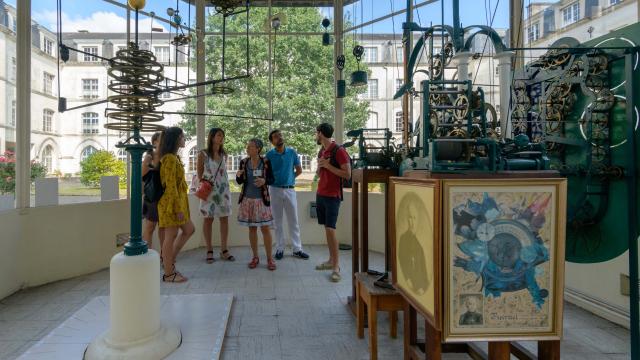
(255,175)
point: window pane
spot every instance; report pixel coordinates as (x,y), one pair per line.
(90,50)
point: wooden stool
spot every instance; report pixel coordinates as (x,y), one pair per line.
(376,299)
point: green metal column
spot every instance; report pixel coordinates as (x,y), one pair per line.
(136,246)
(632,183)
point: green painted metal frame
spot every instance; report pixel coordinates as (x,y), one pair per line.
(632,188)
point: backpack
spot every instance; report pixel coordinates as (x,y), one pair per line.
(333,160)
(153,189)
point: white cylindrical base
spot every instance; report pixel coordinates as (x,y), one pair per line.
(135,331)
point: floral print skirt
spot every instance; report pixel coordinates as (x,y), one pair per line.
(253,213)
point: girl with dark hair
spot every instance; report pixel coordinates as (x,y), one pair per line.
(149,208)
(173,207)
(255,174)
(212,167)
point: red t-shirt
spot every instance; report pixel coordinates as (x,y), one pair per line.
(330,183)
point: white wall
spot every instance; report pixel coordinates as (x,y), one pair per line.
(46,244)
(596,287)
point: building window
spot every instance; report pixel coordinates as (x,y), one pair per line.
(399,83)
(614,2)
(372,89)
(533,32)
(47,120)
(571,14)
(161,53)
(47,84)
(193,158)
(12,122)
(86,152)
(165,95)
(372,122)
(90,123)
(90,88)
(91,50)
(399,54)
(305,162)
(398,126)
(233,162)
(370,54)
(47,158)
(122,155)
(47,46)
(14,69)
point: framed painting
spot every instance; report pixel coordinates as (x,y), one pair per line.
(415,244)
(503,259)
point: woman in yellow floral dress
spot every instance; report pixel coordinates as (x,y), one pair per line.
(173,206)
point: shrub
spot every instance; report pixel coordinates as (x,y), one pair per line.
(102,163)
(8,172)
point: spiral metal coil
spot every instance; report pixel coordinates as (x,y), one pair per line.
(136,77)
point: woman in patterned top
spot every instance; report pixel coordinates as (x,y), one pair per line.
(173,207)
(211,167)
(255,174)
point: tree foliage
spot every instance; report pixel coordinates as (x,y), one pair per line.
(102,163)
(303,82)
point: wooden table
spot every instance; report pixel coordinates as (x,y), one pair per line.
(360,229)
(375,299)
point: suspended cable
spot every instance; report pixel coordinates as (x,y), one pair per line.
(486,40)
(59,35)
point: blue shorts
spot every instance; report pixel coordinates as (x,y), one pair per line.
(327,209)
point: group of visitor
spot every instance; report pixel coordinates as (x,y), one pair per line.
(266,198)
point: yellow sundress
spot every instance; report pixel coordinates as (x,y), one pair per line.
(174,199)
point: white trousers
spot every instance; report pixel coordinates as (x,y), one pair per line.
(284,203)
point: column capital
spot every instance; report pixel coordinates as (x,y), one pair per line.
(504,57)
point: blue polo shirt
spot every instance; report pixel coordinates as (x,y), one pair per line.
(283,166)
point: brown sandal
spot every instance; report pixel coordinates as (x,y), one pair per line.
(209,259)
(227,256)
(176,277)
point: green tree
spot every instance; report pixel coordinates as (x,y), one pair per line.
(102,163)
(303,83)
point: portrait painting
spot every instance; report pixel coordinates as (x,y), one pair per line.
(504,258)
(414,230)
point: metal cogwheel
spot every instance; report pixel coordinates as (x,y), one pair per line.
(519,113)
(553,120)
(520,126)
(604,101)
(594,83)
(436,67)
(448,53)
(461,107)
(458,132)
(598,64)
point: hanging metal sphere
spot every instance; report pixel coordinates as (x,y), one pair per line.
(325,23)
(137,4)
(170,11)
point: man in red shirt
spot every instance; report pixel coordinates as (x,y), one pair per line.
(329,194)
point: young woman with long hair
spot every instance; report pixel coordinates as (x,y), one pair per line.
(173,207)
(212,167)
(150,208)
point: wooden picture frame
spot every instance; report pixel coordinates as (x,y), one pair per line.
(503,259)
(422,244)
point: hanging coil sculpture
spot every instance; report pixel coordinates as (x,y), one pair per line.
(136,78)
(226,7)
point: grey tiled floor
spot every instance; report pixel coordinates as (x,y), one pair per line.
(292,313)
